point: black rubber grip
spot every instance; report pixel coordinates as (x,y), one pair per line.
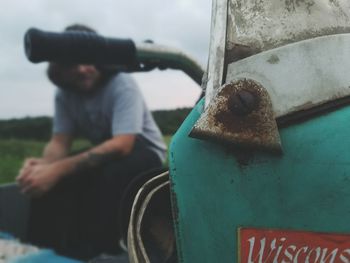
(78,47)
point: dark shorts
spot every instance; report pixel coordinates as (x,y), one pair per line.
(79,217)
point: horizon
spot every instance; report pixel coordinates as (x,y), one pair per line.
(49,116)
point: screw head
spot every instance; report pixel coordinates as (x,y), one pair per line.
(242,103)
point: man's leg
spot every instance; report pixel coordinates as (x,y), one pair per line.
(79,217)
(112,181)
(53,217)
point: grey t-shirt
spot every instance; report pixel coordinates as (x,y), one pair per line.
(116,109)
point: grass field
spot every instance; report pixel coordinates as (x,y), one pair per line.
(13,152)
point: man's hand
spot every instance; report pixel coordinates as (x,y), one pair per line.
(33,161)
(29,164)
(38,175)
(38,179)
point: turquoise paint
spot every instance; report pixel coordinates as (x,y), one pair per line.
(44,256)
(307,188)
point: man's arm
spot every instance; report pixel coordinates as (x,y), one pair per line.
(58,147)
(117,147)
(43,177)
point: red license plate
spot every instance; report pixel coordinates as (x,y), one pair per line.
(284,246)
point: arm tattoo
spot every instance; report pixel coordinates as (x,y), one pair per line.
(93,160)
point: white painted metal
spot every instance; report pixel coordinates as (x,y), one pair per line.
(217,47)
(136,248)
(300,75)
(266,24)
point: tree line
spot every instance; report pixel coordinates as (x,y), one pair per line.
(39,128)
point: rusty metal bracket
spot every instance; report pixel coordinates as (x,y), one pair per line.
(241,114)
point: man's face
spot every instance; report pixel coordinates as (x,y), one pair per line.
(84,78)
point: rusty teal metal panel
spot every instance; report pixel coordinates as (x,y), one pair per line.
(216,191)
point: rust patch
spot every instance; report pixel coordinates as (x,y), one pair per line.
(257,130)
(231,122)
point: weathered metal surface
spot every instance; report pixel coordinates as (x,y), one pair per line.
(298,77)
(267,24)
(241,115)
(305,189)
(242,28)
(217,47)
(243,102)
(302,75)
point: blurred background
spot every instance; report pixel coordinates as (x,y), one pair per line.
(26,95)
(184,24)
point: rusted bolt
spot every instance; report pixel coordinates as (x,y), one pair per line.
(242,102)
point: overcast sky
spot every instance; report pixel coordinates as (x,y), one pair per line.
(185,24)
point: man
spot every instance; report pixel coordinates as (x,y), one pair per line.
(75,197)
